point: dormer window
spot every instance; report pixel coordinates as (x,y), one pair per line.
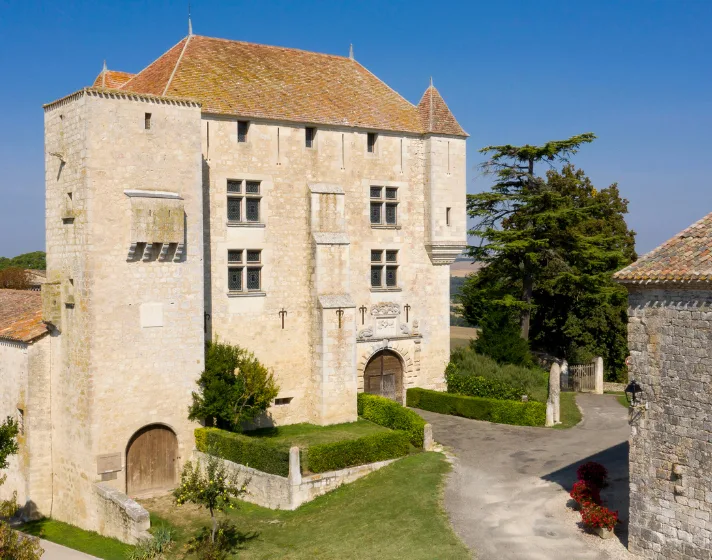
(242,127)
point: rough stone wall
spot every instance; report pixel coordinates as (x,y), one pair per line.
(276,155)
(670,341)
(132,326)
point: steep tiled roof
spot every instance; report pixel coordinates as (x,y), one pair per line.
(259,81)
(686,258)
(435,115)
(21,315)
(113,79)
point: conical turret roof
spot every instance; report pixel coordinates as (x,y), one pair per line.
(436,116)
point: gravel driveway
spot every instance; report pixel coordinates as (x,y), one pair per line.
(508,492)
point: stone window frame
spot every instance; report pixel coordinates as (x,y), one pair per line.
(310,135)
(372,144)
(237,190)
(385,261)
(239,260)
(383,201)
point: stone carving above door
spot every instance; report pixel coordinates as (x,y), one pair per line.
(385,310)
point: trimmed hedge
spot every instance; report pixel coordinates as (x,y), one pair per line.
(492,410)
(244,450)
(350,453)
(477,386)
(388,413)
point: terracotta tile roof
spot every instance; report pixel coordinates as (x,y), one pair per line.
(21,315)
(114,79)
(436,116)
(259,81)
(686,258)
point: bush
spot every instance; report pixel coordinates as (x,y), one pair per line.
(367,449)
(533,382)
(160,542)
(227,540)
(594,474)
(247,451)
(390,414)
(477,386)
(492,410)
(501,340)
(16,547)
(234,389)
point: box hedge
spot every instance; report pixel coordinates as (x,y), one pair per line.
(390,414)
(350,453)
(244,450)
(491,410)
(478,386)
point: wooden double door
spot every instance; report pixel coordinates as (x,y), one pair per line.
(384,376)
(151,461)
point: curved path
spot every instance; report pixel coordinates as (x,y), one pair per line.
(507,494)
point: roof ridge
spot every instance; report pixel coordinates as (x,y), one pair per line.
(272,46)
(384,83)
(123,86)
(168,83)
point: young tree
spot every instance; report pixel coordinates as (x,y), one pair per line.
(234,388)
(513,218)
(212,488)
(500,339)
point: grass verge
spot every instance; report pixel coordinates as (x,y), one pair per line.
(570,413)
(394,513)
(78,539)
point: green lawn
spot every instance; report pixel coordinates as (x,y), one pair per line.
(570,413)
(622,400)
(394,513)
(79,539)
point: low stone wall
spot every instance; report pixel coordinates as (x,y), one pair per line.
(277,492)
(118,516)
(613,387)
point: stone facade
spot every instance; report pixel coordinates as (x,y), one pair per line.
(670,338)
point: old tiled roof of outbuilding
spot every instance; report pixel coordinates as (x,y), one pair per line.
(435,115)
(112,79)
(21,315)
(258,81)
(686,258)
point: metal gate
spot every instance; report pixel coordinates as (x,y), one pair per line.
(581,378)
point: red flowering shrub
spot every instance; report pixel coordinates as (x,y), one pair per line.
(585,494)
(599,516)
(593,473)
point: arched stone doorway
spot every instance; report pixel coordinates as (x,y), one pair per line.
(383,376)
(151,459)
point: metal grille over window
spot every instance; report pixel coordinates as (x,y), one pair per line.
(253,209)
(234,256)
(391,256)
(376,276)
(384,209)
(234,281)
(376,256)
(253,256)
(244,208)
(233,209)
(234,186)
(244,279)
(253,187)
(384,271)
(253,279)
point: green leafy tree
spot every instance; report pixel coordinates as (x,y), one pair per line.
(37,260)
(501,340)
(234,388)
(212,488)
(577,238)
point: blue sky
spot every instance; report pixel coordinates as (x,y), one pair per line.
(637,73)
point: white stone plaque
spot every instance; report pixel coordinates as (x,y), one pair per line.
(151,315)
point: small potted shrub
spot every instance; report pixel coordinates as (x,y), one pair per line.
(600,520)
(593,473)
(584,494)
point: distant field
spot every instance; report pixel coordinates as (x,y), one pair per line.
(463,268)
(461,336)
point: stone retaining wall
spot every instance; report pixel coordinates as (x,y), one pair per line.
(118,516)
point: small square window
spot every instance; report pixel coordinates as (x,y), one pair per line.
(253,279)
(253,256)
(309,135)
(377,256)
(376,276)
(391,276)
(233,208)
(234,279)
(234,256)
(376,192)
(376,212)
(147,121)
(242,127)
(234,186)
(392,193)
(391,256)
(252,187)
(252,209)
(371,142)
(391,214)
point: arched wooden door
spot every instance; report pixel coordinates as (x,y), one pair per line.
(151,459)
(384,376)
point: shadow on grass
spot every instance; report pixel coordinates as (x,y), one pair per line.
(615,496)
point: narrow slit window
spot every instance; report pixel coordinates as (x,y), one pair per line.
(371,139)
(242,128)
(447,216)
(309,135)
(147,121)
